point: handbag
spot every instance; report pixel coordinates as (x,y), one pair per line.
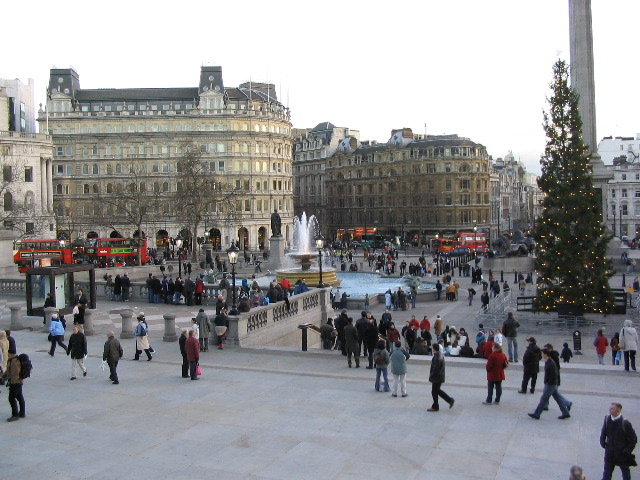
(50,338)
(198,371)
(622,342)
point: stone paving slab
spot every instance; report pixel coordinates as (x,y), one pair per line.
(283,414)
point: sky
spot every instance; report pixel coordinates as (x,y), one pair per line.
(480,69)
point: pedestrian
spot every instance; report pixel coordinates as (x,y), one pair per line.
(112,354)
(126,284)
(381,359)
(142,338)
(576,473)
(192,348)
(366,302)
(204,327)
(351,342)
(615,349)
(56,334)
(436,377)
(221,325)
(4,353)
(496,363)
(510,331)
(629,344)
(393,335)
(472,292)
(48,302)
(371,338)
(398,360)
(566,355)
(12,378)
(77,350)
(530,365)
(437,328)
(618,438)
(185,361)
(601,343)
(196,328)
(551,382)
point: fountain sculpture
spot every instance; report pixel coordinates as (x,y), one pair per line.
(303,252)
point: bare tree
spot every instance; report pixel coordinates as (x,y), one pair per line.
(201,193)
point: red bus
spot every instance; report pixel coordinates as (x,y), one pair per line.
(111,252)
(41,253)
(475,241)
(442,245)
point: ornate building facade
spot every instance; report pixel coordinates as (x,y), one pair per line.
(413,186)
(311,148)
(112,141)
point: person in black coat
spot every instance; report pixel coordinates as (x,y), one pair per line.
(77,349)
(618,440)
(351,342)
(371,338)
(531,365)
(436,377)
(361,325)
(185,362)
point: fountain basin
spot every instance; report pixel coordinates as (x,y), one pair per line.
(311,276)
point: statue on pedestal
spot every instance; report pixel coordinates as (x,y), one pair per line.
(276,224)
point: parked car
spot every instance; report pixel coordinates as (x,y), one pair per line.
(460,251)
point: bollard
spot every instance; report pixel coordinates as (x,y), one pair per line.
(169,328)
(623,280)
(48,311)
(515,277)
(88,322)
(303,327)
(501,276)
(16,324)
(127,324)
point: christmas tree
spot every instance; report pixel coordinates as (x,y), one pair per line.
(571,239)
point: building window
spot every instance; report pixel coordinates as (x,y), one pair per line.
(624,176)
(624,193)
(85,169)
(447,184)
(28,174)
(465,184)
(8,202)
(447,200)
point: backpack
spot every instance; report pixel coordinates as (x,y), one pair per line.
(480,337)
(378,358)
(25,366)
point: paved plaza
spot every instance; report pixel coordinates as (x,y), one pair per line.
(284,414)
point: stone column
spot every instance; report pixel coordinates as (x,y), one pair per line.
(88,322)
(16,323)
(44,199)
(49,184)
(48,311)
(127,324)
(169,328)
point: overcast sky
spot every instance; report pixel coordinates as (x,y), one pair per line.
(480,69)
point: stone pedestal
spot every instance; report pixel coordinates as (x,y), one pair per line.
(276,253)
(169,328)
(88,322)
(127,324)
(16,323)
(48,311)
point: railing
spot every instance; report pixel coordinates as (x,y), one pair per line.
(39,136)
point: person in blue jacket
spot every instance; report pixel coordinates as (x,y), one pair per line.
(56,330)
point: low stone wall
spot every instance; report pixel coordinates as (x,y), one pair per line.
(507,264)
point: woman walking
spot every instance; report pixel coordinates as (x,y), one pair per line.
(381,359)
(496,363)
(56,334)
(629,344)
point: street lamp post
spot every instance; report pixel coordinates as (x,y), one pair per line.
(33,256)
(320,245)
(179,245)
(232,252)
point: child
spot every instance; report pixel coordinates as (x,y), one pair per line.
(566,352)
(615,349)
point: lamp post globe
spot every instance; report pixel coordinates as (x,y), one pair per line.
(179,245)
(320,245)
(232,253)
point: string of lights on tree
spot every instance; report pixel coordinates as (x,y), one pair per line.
(571,240)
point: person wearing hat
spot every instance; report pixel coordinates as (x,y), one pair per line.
(142,338)
(530,365)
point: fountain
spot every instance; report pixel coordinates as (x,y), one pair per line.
(303,246)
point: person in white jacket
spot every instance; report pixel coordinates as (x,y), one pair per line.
(629,344)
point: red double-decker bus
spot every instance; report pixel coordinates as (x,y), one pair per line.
(41,253)
(112,252)
(474,241)
(441,245)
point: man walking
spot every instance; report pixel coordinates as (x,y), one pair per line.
(551,378)
(112,354)
(204,328)
(192,347)
(510,330)
(14,382)
(530,365)
(78,350)
(436,377)
(351,342)
(618,440)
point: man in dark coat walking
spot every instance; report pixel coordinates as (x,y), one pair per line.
(112,354)
(551,382)
(77,349)
(531,365)
(618,440)
(351,342)
(436,377)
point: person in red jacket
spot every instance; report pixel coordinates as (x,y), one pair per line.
(192,347)
(601,343)
(286,285)
(496,364)
(425,323)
